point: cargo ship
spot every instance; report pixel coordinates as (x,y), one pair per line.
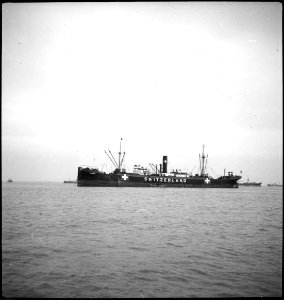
(249,183)
(157,177)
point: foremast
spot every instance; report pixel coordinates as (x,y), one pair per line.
(118,166)
(203,162)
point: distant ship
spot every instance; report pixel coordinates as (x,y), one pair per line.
(274,184)
(9,180)
(250,183)
(70,181)
(158,177)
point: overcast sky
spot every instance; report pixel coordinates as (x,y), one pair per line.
(167,77)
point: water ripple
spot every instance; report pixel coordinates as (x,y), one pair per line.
(69,242)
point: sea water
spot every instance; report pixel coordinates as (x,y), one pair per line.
(60,240)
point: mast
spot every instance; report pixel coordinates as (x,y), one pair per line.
(202,163)
(206,163)
(119,155)
(118,165)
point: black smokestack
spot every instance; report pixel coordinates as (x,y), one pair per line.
(165,164)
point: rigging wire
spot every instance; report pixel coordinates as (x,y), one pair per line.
(216,175)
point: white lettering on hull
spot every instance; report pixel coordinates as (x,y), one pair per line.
(165,179)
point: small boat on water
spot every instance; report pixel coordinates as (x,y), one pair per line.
(157,177)
(70,181)
(274,184)
(249,183)
(9,180)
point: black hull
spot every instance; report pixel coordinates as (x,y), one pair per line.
(98,179)
(98,183)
